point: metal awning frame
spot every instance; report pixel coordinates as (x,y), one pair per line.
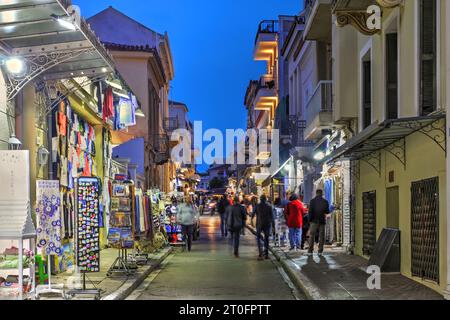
(86,57)
(391,136)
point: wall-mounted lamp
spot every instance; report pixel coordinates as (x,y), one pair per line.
(43,154)
(14,65)
(66,22)
(139,113)
(14,143)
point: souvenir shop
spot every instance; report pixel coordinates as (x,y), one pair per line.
(335,181)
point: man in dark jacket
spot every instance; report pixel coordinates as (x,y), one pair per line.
(264,221)
(319,209)
(222,208)
(236,222)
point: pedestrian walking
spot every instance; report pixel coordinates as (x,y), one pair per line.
(264,221)
(236,222)
(294,216)
(319,210)
(222,209)
(187,217)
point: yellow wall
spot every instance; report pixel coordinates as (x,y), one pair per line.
(418,168)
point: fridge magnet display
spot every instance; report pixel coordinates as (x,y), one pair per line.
(88,232)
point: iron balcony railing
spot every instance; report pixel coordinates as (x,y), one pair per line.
(309,6)
(267,26)
(267,82)
(320,102)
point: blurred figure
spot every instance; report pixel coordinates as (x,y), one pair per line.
(264,221)
(236,222)
(222,209)
(319,210)
(187,218)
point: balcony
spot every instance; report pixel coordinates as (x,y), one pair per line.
(266,95)
(318,20)
(266,43)
(161,147)
(319,111)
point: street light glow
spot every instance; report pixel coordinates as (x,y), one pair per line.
(15,65)
(64,22)
(319,156)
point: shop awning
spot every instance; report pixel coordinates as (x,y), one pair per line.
(390,135)
(37,32)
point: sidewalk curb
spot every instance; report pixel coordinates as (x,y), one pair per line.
(298,279)
(130,285)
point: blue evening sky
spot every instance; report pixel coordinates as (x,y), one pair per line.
(212,45)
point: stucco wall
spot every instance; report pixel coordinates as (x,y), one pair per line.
(418,168)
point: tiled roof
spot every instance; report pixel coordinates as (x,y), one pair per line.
(124,47)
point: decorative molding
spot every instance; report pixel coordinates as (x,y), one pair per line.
(356,18)
(390,3)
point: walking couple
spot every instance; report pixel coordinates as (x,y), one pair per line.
(297,216)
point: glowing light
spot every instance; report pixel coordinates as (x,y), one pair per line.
(15,65)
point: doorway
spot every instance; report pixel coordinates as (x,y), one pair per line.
(392,208)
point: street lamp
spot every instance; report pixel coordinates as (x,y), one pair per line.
(15,65)
(65,21)
(14,143)
(139,113)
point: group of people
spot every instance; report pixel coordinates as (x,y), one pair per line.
(302,223)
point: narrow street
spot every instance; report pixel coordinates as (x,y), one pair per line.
(210,272)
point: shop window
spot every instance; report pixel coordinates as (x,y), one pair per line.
(369,222)
(425,229)
(427,52)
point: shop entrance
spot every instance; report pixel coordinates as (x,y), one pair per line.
(369,222)
(424,229)
(392,208)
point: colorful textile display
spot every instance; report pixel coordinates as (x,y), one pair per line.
(48,217)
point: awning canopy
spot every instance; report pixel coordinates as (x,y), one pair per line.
(32,30)
(390,135)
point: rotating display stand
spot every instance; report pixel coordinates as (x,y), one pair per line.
(121,231)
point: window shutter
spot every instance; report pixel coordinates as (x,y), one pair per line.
(428,56)
(392,76)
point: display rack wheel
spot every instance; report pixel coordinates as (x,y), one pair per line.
(109,274)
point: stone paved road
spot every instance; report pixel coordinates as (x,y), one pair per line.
(210,272)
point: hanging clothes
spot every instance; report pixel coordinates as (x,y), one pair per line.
(108,104)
